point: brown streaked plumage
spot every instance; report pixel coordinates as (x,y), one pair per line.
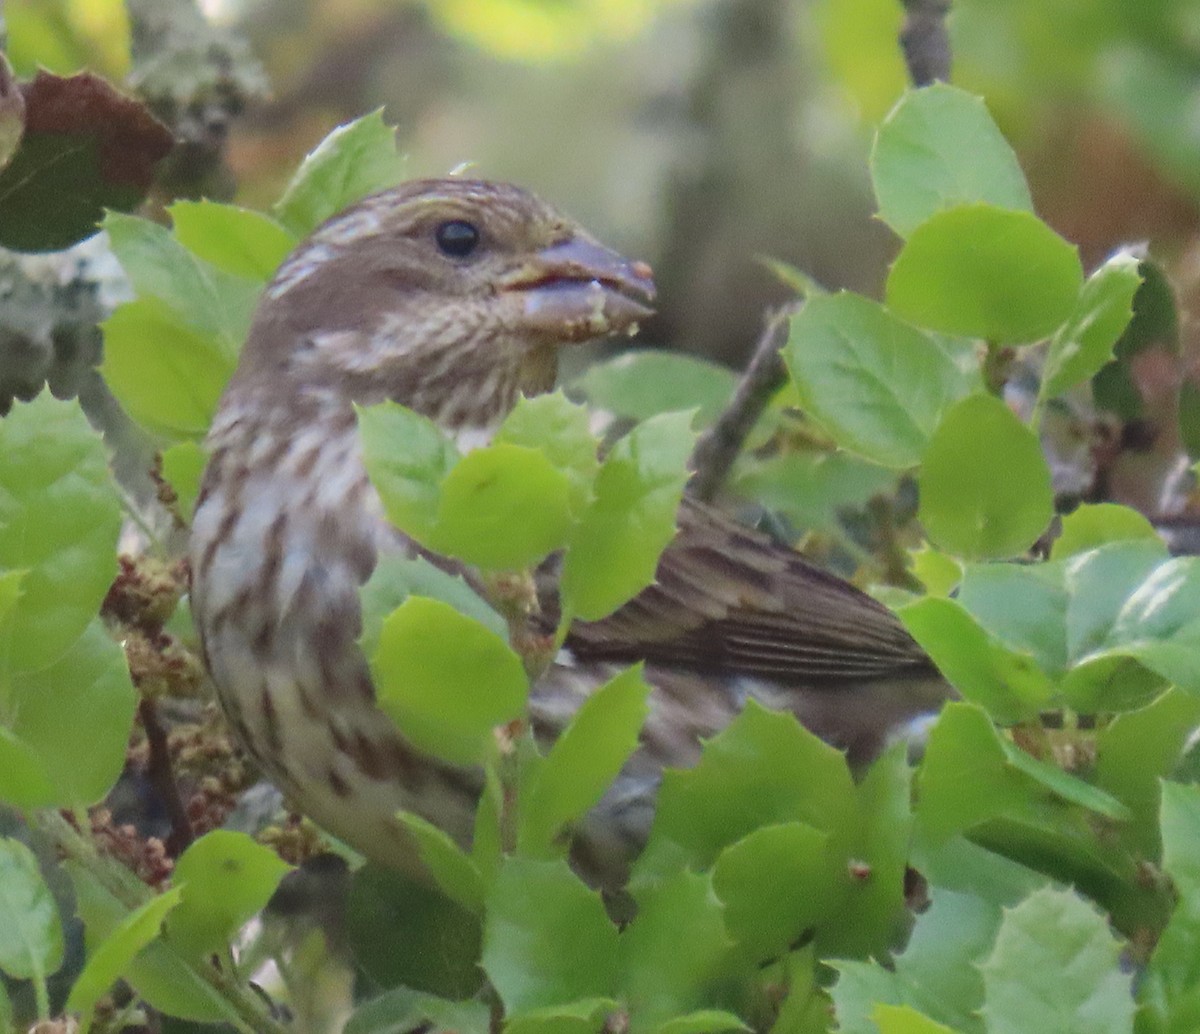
(452,297)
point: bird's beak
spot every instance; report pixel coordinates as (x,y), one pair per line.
(579,289)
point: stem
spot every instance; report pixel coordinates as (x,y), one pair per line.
(925,41)
(122,1019)
(41,996)
(997,365)
(719,446)
(162,778)
(152,538)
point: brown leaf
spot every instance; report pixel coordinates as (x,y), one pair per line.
(86,147)
(131,140)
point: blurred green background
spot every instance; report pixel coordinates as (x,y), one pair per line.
(698,134)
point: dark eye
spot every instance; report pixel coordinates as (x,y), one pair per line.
(457,238)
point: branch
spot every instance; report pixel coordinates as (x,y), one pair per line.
(925,41)
(719,446)
(162,778)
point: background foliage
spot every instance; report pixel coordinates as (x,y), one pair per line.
(996,433)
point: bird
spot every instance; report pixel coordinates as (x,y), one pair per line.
(454,297)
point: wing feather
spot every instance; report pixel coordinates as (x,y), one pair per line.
(729,598)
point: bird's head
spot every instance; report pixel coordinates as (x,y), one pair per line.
(450,296)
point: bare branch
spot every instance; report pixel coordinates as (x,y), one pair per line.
(925,41)
(162,778)
(719,446)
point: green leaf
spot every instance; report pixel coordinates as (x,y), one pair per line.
(1007,682)
(10,592)
(938,572)
(547,939)
(1024,606)
(858,40)
(157,973)
(226,879)
(938,149)
(1096,524)
(1153,331)
(108,961)
(616,544)
(1082,345)
(47,36)
(1138,749)
(675,952)
(965,867)
(214,304)
(775,885)
(59,521)
(903,1019)
(1169,990)
(407,933)
(396,577)
(1064,785)
(1108,671)
(937,973)
(1158,623)
(446,680)
(237,240)
(875,867)
(876,384)
(703,1021)
(31,937)
(166,375)
(183,469)
(1056,966)
(964,779)
(860,986)
(402,1010)
(806,1008)
(407,457)
(503,507)
(647,382)
(452,868)
(584,760)
(811,489)
(984,485)
(1100,582)
(12,127)
(981,271)
(562,431)
(73,719)
(588,1016)
(763,768)
(353,161)
(24,782)
(972,774)
(487,837)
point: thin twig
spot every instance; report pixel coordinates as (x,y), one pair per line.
(925,41)
(719,446)
(162,778)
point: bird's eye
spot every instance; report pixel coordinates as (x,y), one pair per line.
(457,238)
